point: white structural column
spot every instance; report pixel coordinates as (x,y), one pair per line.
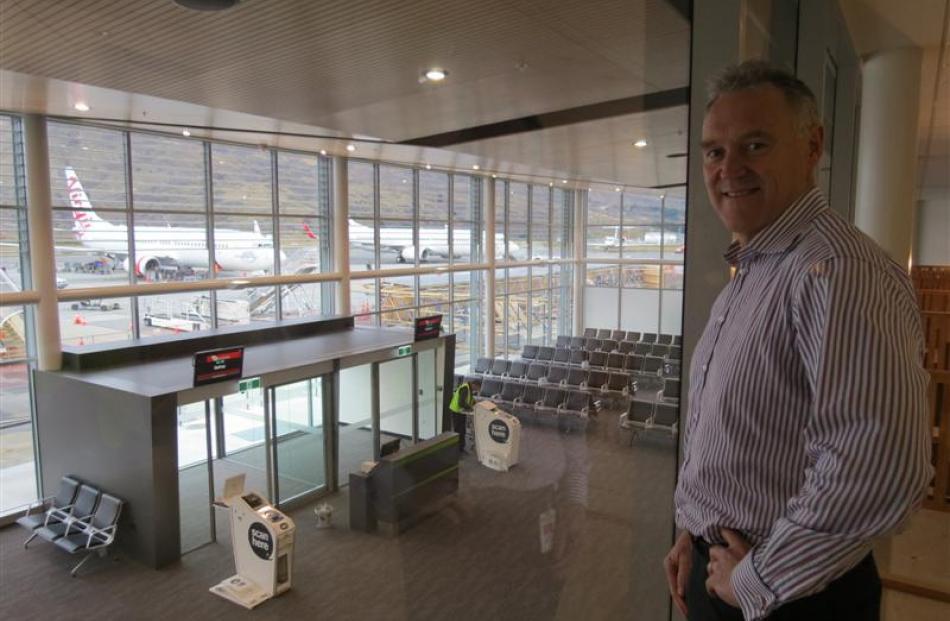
(42,249)
(885,202)
(489,219)
(580,252)
(341,233)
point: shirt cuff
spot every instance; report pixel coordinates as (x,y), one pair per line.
(755,599)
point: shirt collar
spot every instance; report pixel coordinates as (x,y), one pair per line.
(785,231)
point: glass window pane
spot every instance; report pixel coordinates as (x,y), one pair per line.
(433,289)
(304,242)
(174,313)
(434,242)
(396,244)
(672,276)
(8,190)
(298,188)
(462,198)
(674,206)
(11,277)
(518,222)
(603,207)
(641,277)
(540,224)
(603,241)
(395,192)
(641,207)
(172,246)
(17,461)
(600,276)
(87,167)
(360,184)
(560,236)
(243,245)
(397,292)
(168,174)
(241,179)
(242,306)
(362,298)
(642,242)
(433,195)
(95,321)
(674,242)
(362,244)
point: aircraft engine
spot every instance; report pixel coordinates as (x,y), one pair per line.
(147,265)
(407,255)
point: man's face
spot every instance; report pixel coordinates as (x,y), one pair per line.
(755,160)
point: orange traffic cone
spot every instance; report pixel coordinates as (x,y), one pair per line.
(81,341)
(79,321)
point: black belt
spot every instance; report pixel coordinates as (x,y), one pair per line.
(702,546)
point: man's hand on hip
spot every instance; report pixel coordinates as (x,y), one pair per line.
(677,564)
(722,561)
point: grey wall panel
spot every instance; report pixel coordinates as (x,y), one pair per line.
(104,436)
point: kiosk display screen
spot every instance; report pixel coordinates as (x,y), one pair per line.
(428,327)
(219,365)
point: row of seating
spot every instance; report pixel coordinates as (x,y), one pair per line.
(592,346)
(568,409)
(649,364)
(644,415)
(540,373)
(621,335)
(79,518)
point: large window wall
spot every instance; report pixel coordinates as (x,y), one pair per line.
(635,245)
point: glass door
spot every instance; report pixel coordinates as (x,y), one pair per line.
(355,427)
(195,518)
(299,441)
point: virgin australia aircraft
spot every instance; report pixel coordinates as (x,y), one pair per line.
(433,242)
(165,248)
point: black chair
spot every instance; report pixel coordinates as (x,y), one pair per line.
(626,347)
(578,356)
(633,363)
(577,402)
(590,333)
(562,355)
(553,398)
(678,340)
(482,366)
(491,389)
(597,359)
(58,520)
(667,415)
(93,537)
(536,372)
(545,354)
(642,349)
(577,342)
(517,369)
(665,339)
(499,367)
(652,365)
(563,341)
(531,398)
(618,335)
(660,349)
(603,333)
(597,380)
(557,374)
(618,382)
(608,345)
(511,391)
(639,416)
(675,353)
(633,336)
(648,337)
(530,352)
(671,390)
(576,377)
(615,360)
(37,512)
(592,344)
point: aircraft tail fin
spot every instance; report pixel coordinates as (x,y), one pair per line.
(84,218)
(309,231)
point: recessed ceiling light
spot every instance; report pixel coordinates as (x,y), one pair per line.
(323,151)
(494,176)
(81,106)
(640,143)
(617,189)
(563,180)
(476,167)
(351,147)
(550,183)
(428,166)
(85,148)
(435,74)
(185,133)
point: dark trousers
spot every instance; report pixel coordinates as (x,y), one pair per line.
(854,596)
(458,426)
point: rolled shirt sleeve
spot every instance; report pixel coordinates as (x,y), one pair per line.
(866,440)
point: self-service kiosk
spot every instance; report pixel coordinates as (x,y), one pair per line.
(497,437)
(263,541)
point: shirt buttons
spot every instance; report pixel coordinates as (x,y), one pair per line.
(704,367)
(721,319)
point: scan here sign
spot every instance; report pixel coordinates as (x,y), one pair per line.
(261,541)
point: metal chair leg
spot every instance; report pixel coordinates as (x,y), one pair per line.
(80,564)
(27,542)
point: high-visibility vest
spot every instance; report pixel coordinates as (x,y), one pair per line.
(462,398)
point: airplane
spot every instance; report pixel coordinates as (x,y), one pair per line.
(166,248)
(433,242)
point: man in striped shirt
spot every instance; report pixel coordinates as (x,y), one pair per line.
(807,429)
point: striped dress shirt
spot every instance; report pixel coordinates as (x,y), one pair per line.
(807,429)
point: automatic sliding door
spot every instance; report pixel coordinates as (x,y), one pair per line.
(299,439)
(355,423)
(194,476)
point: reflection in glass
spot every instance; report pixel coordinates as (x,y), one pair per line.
(17,463)
(300,448)
(194,501)
(169,173)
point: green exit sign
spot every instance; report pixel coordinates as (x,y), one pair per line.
(403,351)
(249,384)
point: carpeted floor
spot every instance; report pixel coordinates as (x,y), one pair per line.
(479,558)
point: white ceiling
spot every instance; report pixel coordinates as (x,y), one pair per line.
(355,67)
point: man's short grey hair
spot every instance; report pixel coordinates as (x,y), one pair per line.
(753,73)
